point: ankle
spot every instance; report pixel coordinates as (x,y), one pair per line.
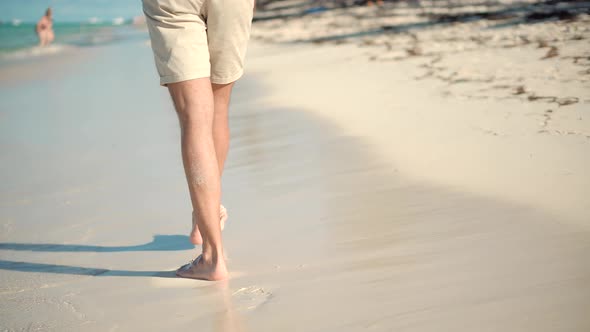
(212,257)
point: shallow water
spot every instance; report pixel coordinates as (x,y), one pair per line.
(20,42)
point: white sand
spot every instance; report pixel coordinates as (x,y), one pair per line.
(359,199)
(499,147)
(473,106)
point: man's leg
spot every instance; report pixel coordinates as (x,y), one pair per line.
(194,104)
(221,97)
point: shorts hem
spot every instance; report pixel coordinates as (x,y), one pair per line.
(165,80)
(227,79)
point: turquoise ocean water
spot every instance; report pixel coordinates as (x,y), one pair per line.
(76,24)
(19,42)
(22,36)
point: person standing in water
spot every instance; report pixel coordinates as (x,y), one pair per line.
(44,29)
(199,48)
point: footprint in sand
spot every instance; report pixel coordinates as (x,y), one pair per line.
(250,298)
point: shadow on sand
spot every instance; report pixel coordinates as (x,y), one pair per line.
(504,14)
(159,243)
(78,270)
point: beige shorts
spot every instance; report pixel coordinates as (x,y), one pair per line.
(199,38)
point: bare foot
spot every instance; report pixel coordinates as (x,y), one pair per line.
(204,270)
(195,236)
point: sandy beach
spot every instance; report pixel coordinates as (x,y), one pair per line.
(365,192)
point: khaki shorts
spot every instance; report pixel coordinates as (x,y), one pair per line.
(199,38)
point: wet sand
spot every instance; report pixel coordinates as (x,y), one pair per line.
(325,233)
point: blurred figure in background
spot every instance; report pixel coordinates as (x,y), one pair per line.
(44,29)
